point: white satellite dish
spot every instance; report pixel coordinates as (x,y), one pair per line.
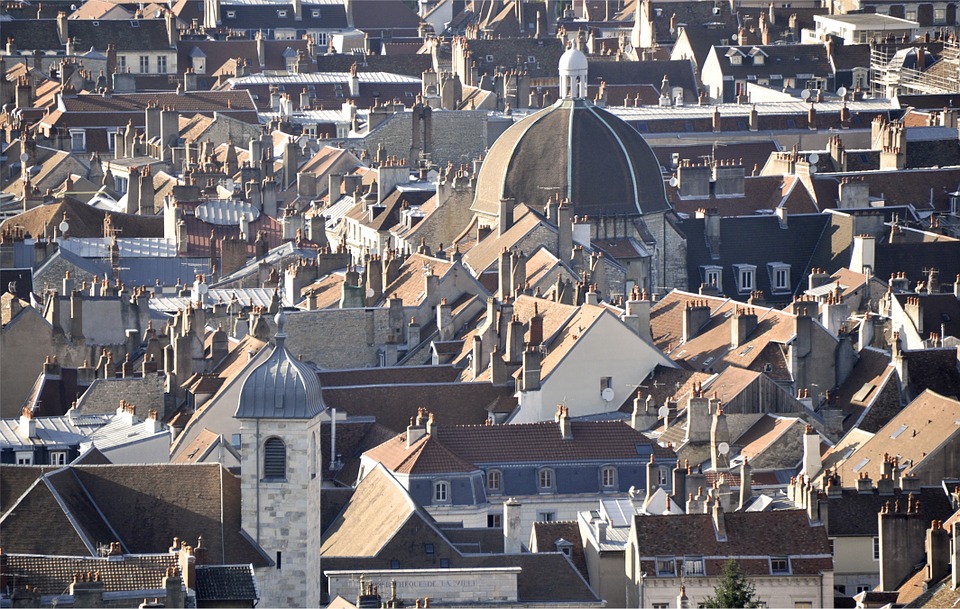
(203,289)
(607,394)
(674,181)
(842,91)
(370,294)
(64,227)
(813,169)
(663,412)
(24,157)
(814,158)
(805,94)
(723,448)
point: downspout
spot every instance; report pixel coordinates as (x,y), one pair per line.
(257,456)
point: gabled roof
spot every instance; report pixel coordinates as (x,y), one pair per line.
(376,512)
(115,502)
(921,428)
(749,534)
(425,456)
(541,443)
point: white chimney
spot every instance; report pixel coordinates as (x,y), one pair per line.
(811,452)
(28,425)
(511,526)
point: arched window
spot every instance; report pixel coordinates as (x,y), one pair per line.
(441,492)
(545,481)
(274,459)
(494,481)
(608,477)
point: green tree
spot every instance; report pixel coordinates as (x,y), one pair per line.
(733,589)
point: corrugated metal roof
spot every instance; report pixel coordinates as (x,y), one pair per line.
(294,78)
(247,296)
(226,213)
(51,432)
(120,431)
(140,247)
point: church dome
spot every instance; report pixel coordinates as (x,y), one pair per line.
(282,387)
(577,150)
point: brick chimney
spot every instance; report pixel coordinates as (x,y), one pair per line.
(417,428)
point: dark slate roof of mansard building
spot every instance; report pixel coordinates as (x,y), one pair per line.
(580,151)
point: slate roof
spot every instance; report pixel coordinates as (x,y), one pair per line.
(82,506)
(267,16)
(393,406)
(226,583)
(124,35)
(855,514)
(785,60)
(546,535)
(757,240)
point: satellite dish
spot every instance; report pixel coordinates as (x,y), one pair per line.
(723,448)
(663,412)
(813,169)
(674,181)
(64,227)
(814,158)
(805,94)
(607,394)
(842,91)
(203,289)
(24,158)
(370,294)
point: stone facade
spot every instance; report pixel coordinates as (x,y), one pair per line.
(457,137)
(282,515)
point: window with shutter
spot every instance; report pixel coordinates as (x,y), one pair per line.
(274,459)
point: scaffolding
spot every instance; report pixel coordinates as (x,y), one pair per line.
(889,76)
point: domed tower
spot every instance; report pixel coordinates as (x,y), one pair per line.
(573,74)
(581,152)
(280,409)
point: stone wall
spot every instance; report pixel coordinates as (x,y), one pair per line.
(458,137)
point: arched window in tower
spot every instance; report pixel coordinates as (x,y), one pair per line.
(274,459)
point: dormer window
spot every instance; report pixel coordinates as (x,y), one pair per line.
(315,13)
(779,565)
(231,14)
(713,276)
(282,13)
(745,275)
(545,480)
(441,492)
(494,481)
(666,566)
(779,276)
(735,60)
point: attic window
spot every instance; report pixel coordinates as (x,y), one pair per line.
(315,13)
(531,59)
(231,14)
(861,465)
(864,393)
(134,23)
(489,58)
(95,23)
(735,60)
(282,13)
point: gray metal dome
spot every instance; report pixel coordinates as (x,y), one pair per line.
(281,387)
